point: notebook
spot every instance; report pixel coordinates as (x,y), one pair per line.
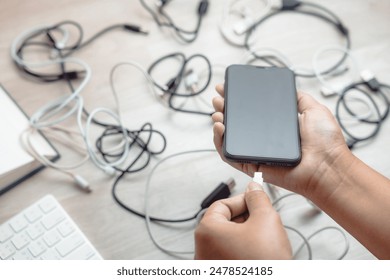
(16,164)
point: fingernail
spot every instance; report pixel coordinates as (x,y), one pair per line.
(253,186)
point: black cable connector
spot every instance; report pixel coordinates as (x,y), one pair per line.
(222,191)
(370,80)
(71,75)
(203,6)
(162,3)
(135,28)
(351,143)
(172,84)
(290,4)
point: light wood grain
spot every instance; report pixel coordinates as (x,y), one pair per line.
(180,185)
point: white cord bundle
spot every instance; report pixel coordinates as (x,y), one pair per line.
(235,35)
(328,89)
(49,116)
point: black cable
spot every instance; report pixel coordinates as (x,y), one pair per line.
(171,88)
(50,44)
(143,145)
(144,149)
(294,6)
(363,88)
(187,36)
(222,191)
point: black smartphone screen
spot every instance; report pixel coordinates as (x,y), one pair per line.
(261,116)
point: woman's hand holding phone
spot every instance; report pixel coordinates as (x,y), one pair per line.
(323,147)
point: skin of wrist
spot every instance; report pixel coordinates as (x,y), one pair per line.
(330,175)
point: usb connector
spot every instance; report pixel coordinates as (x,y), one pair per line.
(369,78)
(223,190)
(285,4)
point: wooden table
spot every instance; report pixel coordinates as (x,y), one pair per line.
(179,185)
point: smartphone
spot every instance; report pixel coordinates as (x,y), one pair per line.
(261,116)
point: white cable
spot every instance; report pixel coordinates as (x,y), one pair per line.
(346,247)
(147,197)
(249,56)
(30,148)
(306,240)
(276,201)
(305,243)
(137,66)
(318,71)
(103,164)
(329,89)
(59,110)
(200,215)
(54,107)
(203,74)
(160,96)
(228,32)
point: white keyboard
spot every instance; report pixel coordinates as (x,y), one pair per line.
(44,231)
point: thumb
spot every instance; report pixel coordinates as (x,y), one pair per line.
(257,201)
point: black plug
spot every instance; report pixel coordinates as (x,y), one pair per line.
(223,190)
(290,4)
(172,84)
(351,143)
(203,6)
(71,75)
(370,80)
(162,3)
(135,28)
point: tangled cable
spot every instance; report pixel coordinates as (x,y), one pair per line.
(49,116)
(197,217)
(287,6)
(188,76)
(162,19)
(368,92)
(234,32)
(375,120)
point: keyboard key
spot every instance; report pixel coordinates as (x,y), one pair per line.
(35,231)
(47,205)
(85,252)
(32,214)
(18,223)
(6,250)
(52,219)
(95,257)
(20,240)
(50,255)
(52,238)
(37,248)
(68,245)
(65,228)
(44,231)
(5,233)
(22,255)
